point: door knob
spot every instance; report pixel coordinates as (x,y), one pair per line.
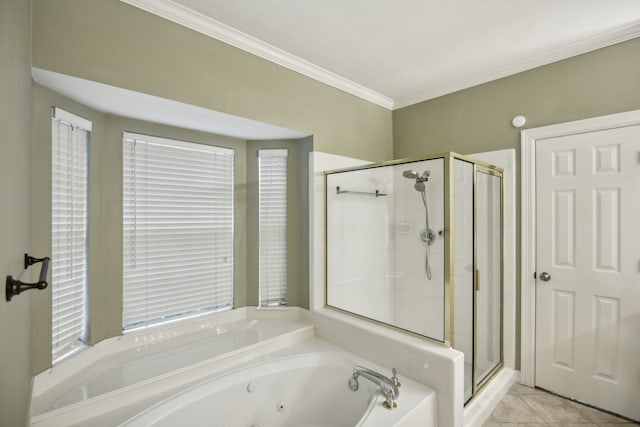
(545,277)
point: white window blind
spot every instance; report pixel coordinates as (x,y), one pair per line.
(70,140)
(272,190)
(178,204)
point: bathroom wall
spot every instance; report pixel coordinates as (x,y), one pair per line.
(15,209)
(601,82)
(110,42)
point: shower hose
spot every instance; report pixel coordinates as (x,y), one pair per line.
(427,266)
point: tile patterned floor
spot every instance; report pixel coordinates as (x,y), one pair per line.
(524,406)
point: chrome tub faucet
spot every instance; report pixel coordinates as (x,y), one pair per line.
(388,386)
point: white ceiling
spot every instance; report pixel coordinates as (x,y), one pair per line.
(399,52)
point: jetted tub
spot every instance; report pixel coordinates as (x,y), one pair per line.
(307,390)
(120,378)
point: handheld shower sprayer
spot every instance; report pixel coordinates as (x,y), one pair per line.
(427,236)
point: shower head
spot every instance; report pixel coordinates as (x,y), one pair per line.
(411,174)
(420,179)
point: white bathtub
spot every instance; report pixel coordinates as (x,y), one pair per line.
(121,377)
(117,378)
(308,390)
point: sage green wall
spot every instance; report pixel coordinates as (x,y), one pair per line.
(113,43)
(478,119)
(105,214)
(15,209)
(602,82)
(297,219)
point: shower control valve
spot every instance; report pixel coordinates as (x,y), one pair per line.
(428,237)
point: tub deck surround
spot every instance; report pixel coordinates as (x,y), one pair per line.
(439,367)
(151,360)
(130,372)
(135,366)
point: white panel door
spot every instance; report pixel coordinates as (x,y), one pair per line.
(588,249)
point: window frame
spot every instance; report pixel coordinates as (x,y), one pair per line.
(230,155)
(266,289)
(63,348)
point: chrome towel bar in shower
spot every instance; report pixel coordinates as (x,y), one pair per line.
(377,192)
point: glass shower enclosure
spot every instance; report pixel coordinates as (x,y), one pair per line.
(417,245)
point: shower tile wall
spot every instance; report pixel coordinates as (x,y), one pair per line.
(318,163)
(419,302)
(358,243)
(376,258)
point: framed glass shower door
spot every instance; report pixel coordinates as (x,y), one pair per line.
(488,276)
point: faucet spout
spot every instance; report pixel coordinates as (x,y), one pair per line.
(387,386)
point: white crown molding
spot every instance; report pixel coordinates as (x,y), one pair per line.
(208,26)
(548,56)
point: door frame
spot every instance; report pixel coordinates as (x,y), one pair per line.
(528,140)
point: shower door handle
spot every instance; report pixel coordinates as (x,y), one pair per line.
(545,277)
